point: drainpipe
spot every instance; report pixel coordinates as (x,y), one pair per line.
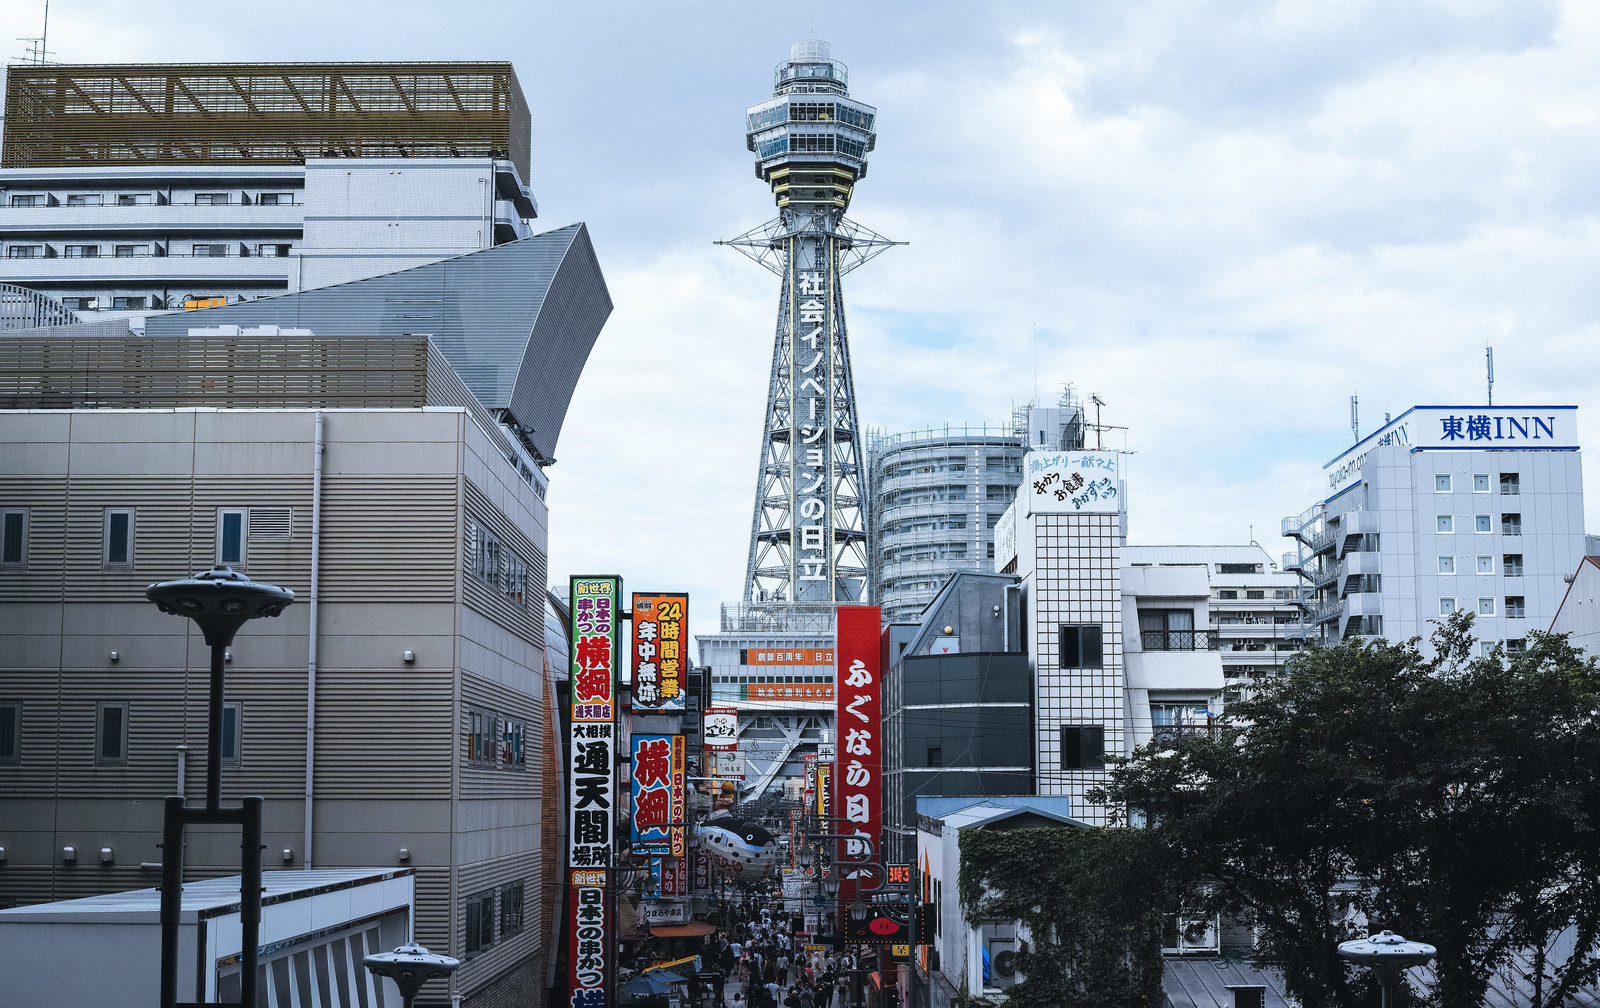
(311,641)
(183,767)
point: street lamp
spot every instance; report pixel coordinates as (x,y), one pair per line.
(220,601)
(410,966)
(1388,954)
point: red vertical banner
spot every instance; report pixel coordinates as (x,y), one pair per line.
(858,719)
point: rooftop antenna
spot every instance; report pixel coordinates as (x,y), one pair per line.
(37,47)
(1355,419)
(1488,354)
(1099,431)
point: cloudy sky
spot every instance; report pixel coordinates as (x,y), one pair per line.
(1224,218)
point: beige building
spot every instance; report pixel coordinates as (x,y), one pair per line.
(396,714)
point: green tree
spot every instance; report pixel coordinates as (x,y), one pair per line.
(1452,799)
(1091,902)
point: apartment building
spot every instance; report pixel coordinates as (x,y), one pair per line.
(162,187)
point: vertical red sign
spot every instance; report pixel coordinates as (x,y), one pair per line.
(858,764)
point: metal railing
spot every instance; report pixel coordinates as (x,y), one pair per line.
(1178,640)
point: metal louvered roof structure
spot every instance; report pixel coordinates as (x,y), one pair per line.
(516,322)
(21,308)
(266,113)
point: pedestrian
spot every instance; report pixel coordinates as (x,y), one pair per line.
(783,968)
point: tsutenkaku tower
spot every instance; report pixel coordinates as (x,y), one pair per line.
(808,537)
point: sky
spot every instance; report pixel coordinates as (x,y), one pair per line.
(1223,217)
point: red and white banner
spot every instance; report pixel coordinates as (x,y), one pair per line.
(721,728)
(856,780)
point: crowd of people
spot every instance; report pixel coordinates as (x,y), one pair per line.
(760,964)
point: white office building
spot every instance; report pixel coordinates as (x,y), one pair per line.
(1445,508)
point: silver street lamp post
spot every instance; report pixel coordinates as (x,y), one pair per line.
(1389,955)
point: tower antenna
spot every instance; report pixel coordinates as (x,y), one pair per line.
(38,48)
(1488,354)
(1355,418)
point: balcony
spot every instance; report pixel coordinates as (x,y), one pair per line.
(138,270)
(1178,640)
(1208,731)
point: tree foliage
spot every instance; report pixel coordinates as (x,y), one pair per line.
(1451,799)
(1091,903)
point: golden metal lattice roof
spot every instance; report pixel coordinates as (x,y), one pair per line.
(219,114)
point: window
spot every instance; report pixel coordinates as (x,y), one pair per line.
(1168,630)
(275,199)
(1447,565)
(117,550)
(1480,483)
(25,252)
(495,564)
(32,200)
(480,922)
(211,199)
(1083,747)
(13,537)
(1510,483)
(81,251)
(1447,606)
(208,250)
(1255,593)
(1516,646)
(1485,565)
(1441,484)
(512,901)
(1511,524)
(936,756)
(1081,646)
(10,732)
(132,251)
(1238,568)
(135,199)
(273,251)
(1486,607)
(81,303)
(1228,593)
(232,528)
(232,732)
(111,734)
(1515,607)
(125,303)
(1445,523)
(83,199)
(1511,565)
(990,554)
(1481,523)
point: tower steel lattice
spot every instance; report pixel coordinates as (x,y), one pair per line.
(808,535)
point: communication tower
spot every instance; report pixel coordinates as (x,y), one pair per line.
(808,535)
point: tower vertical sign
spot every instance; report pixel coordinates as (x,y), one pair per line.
(813,456)
(856,780)
(592,775)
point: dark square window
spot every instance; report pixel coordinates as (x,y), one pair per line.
(935,756)
(118,538)
(480,922)
(1083,747)
(512,901)
(14,538)
(10,732)
(1081,646)
(111,734)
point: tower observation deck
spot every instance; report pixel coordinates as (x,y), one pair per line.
(808,535)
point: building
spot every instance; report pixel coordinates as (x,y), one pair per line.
(316,926)
(404,719)
(1443,509)
(1578,615)
(936,497)
(1254,608)
(131,188)
(808,536)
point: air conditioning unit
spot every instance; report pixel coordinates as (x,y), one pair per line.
(1000,947)
(1186,933)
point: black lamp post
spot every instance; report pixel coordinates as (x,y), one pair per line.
(410,966)
(1388,954)
(220,601)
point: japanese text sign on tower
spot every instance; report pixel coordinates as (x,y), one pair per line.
(660,623)
(856,779)
(1072,482)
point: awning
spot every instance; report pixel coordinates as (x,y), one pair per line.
(693,929)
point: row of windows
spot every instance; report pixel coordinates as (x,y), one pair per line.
(1510,483)
(111,732)
(1510,523)
(771,679)
(1510,564)
(495,564)
(1515,607)
(225,198)
(202,250)
(480,915)
(496,740)
(118,527)
(1254,593)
